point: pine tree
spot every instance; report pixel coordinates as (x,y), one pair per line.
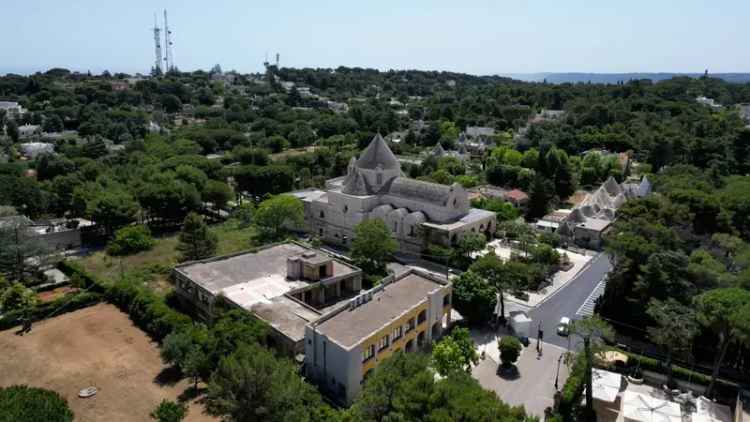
(196,240)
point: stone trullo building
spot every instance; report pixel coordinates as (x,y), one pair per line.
(375,187)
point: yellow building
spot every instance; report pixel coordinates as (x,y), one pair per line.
(403,313)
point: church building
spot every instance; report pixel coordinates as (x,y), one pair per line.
(375,187)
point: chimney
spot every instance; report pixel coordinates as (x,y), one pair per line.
(293,268)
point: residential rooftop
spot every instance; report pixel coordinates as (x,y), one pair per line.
(351,325)
(596,224)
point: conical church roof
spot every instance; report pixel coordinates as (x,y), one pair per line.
(355,184)
(438,150)
(378,154)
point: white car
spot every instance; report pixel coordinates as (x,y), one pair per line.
(563,328)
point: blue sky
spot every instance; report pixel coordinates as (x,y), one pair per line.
(481,37)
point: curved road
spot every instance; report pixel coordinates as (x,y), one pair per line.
(567,301)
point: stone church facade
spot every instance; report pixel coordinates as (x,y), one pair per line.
(375,187)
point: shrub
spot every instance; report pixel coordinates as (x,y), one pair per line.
(510,349)
(169,411)
(130,240)
(20,403)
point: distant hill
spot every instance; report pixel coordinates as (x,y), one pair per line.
(613,78)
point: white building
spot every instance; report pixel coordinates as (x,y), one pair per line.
(375,187)
(29,131)
(710,102)
(586,224)
(31,150)
(12,109)
(285,285)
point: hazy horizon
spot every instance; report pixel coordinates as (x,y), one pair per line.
(475,37)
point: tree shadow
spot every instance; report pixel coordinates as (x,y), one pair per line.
(509,373)
(191,393)
(168,376)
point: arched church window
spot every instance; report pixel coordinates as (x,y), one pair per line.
(322,214)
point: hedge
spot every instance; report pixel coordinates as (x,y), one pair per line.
(570,395)
(74,269)
(678,372)
(146,309)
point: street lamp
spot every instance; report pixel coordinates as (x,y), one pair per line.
(557,375)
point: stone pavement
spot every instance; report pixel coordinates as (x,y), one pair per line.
(534,386)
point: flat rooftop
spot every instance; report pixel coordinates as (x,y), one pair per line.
(350,326)
(253,276)
(257,282)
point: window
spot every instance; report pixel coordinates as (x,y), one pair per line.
(322,214)
(395,227)
(454,203)
(422,317)
(368,353)
(320,232)
(409,325)
(411,231)
(346,208)
(383,343)
(397,333)
(446,300)
(380,178)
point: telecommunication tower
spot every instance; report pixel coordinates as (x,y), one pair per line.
(157,46)
(168,59)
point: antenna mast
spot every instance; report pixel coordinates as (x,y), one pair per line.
(168,44)
(157,46)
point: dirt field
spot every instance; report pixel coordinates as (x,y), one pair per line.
(94,346)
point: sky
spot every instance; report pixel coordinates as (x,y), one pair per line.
(471,36)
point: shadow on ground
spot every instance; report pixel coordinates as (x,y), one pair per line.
(168,376)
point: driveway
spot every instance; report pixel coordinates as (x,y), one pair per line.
(568,301)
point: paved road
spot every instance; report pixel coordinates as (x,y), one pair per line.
(568,301)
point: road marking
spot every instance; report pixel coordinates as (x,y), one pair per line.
(579,274)
(587,308)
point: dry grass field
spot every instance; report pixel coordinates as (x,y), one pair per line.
(160,260)
(96,346)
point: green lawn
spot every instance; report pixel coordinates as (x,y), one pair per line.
(154,265)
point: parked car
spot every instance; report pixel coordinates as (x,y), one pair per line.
(563,328)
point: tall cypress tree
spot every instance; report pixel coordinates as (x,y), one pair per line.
(196,240)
